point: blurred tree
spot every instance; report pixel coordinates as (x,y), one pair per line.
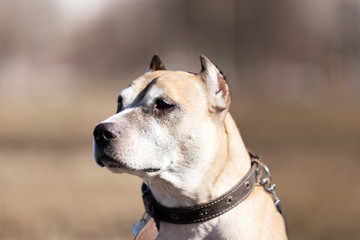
(26,27)
(283,49)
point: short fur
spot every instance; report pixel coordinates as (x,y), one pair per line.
(175,132)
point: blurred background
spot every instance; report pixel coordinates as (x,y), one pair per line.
(294,72)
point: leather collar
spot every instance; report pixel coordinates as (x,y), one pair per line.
(206,211)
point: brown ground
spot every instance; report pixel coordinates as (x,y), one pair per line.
(50,188)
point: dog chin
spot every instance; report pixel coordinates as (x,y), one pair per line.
(124,169)
(117,166)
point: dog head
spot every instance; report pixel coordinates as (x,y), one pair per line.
(166,122)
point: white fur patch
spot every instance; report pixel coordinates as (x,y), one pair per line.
(118,115)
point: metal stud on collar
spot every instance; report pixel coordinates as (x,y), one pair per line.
(203,212)
(174,216)
(228,200)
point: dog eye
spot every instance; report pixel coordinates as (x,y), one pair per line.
(119,104)
(162,105)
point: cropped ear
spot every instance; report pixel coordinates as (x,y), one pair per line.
(156,64)
(218,89)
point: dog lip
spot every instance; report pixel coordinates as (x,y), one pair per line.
(99,162)
(111,163)
(151,170)
(108,161)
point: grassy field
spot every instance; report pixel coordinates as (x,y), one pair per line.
(50,188)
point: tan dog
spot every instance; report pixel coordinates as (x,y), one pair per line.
(173,129)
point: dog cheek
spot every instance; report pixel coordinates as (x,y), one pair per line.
(199,142)
(160,148)
(139,150)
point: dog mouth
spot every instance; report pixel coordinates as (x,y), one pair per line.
(107,161)
(114,165)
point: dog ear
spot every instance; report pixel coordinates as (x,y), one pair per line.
(156,64)
(216,85)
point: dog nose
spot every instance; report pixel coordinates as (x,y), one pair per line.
(104,132)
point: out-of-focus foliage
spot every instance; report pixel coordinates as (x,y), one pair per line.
(298,50)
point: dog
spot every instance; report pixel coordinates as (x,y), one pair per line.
(173,129)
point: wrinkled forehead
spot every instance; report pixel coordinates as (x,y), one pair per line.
(177,85)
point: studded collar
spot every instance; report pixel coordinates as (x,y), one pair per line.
(206,211)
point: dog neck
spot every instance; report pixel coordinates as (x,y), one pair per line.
(197,186)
